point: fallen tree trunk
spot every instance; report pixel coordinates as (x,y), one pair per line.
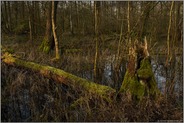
(60,76)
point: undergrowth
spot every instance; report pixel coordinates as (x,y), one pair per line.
(28,96)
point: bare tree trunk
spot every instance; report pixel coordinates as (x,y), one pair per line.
(117,15)
(148,6)
(119,42)
(118,58)
(77,14)
(6,15)
(16,12)
(178,23)
(23,10)
(96,9)
(169,54)
(46,43)
(63,22)
(30,21)
(54,32)
(35,19)
(10,16)
(128,19)
(71,19)
(128,24)
(30,29)
(168,34)
(38,21)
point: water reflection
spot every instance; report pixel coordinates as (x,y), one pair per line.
(109,77)
(172,73)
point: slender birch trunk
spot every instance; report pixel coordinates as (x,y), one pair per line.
(54,33)
(168,33)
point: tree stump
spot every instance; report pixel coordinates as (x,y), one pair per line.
(139,80)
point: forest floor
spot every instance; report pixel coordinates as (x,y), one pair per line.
(26,87)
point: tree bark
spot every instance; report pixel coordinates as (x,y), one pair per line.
(77,14)
(148,6)
(16,12)
(71,19)
(177,23)
(97,21)
(168,34)
(63,17)
(139,80)
(128,19)
(47,40)
(30,29)
(30,22)
(54,30)
(6,15)
(23,9)
(60,76)
(10,16)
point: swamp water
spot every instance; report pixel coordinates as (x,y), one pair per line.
(173,72)
(162,75)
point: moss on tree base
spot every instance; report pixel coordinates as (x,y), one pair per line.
(139,80)
(45,46)
(143,82)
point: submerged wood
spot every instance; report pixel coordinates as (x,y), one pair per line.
(60,76)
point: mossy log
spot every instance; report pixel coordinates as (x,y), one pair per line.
(139,80)
(60,76)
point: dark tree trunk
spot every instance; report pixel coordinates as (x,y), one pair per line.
(46,43)
(6,15)
(48,40)
(23,9)
(16,13)
(30,21)
(10,16)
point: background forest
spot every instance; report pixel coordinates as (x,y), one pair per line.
(93,38)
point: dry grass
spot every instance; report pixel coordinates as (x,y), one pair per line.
(28,96)
(44,100)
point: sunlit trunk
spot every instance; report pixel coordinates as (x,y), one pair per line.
(54,31)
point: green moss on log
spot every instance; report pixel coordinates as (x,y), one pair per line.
(61,76)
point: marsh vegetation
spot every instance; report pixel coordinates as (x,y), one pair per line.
(94,41)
